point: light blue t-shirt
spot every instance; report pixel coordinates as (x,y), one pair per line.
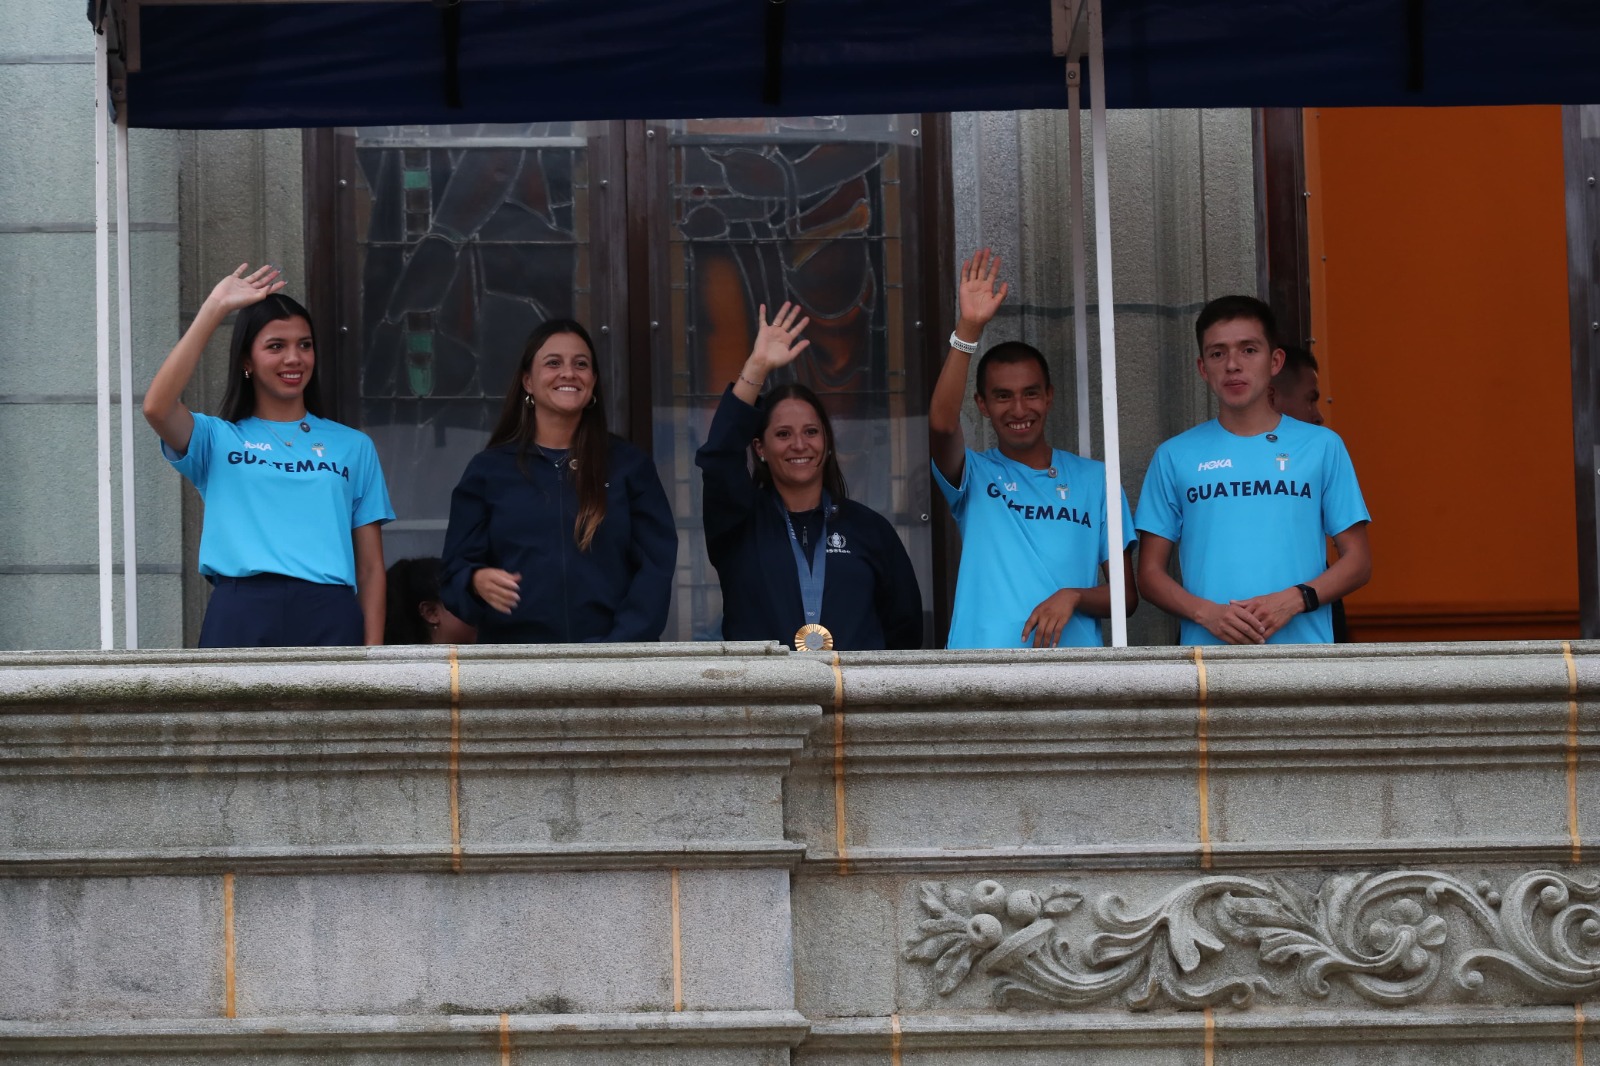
(282,500)
(1251,515)
(1026,533)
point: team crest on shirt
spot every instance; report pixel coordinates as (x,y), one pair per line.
(1283,460)
(836,544)
(319,449)
(1061,491)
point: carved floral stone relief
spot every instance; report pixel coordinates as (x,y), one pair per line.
(1392,939)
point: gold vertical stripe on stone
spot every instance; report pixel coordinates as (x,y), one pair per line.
(455,761)
(839,845)
(1577,1034)
(1211,1030)
(1203,775)
(505,1040)
(228,983)
(677,947)
(1572,755)
(894,1040)
(838,684)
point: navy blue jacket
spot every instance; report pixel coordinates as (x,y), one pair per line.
(870,597)
(522,520)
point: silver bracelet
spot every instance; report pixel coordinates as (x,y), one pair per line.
(970,347)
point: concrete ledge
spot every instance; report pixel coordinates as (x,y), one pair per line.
(1046,858)
(935,1032)
(1337,754)
(1358,853)
(406,1033)
(402,677)
(510,759)
(733,854)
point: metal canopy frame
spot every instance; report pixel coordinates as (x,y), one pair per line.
(1078,34)
(106,87)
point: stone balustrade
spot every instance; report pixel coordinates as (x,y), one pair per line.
(727,853)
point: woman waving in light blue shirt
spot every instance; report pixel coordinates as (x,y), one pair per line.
(291,541)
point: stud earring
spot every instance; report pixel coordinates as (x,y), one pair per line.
(247,373)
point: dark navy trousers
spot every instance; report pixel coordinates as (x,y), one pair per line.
(273,611)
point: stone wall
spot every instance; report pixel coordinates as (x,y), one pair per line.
(49,550)
(726,853)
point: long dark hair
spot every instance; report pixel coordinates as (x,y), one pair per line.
(239,400)
(591,445)
(832,475)
(411,583)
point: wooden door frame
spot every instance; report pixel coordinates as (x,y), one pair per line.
(1580,127)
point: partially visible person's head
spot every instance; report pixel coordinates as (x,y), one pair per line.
(795,448)
(1238,356)
(414,614)
(273,350)
(559,373)
(1015,394)
(1296,389)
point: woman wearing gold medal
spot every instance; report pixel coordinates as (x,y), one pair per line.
(798,560)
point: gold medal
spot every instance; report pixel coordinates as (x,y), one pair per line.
(813,637)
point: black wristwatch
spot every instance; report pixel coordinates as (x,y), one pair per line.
(1309,594)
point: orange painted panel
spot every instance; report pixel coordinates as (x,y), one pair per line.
(1440,320)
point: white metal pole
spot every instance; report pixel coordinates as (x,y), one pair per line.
(1108,333)
(1080,289)
(130,553)
(102,334)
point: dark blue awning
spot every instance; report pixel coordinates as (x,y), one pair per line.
(384,63)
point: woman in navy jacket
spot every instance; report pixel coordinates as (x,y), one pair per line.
(772,532)
(559,532)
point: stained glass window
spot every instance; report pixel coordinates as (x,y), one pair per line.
(468,237)
(815,210)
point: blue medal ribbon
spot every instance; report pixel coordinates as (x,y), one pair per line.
(811,576)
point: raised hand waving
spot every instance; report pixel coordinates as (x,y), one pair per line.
(776,341)
(241,290)
(776,345)
(977,296)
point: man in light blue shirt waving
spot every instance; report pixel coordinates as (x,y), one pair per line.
(1032,517)
(1249,499)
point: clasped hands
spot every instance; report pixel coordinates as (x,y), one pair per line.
(1251,621)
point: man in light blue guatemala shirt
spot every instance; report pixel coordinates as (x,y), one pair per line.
(1032,517)
(1250,498)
